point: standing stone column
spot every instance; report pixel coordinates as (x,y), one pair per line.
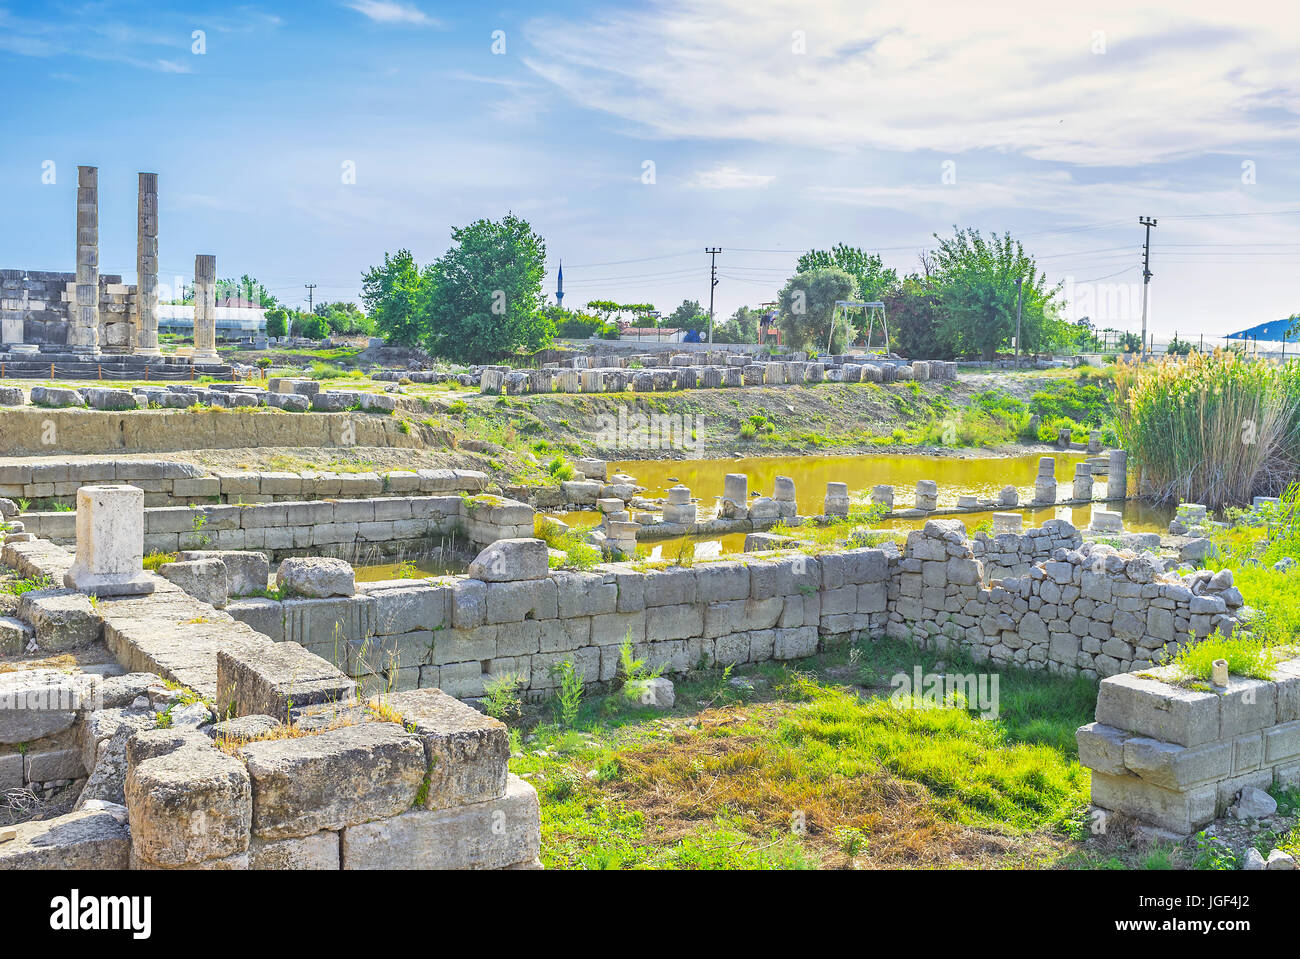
(1117,475)
(1045,483)
(1082,481)
(205,310)
(146,268)
(83,331)
(110,542)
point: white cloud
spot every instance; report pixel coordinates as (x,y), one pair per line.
(729,178)
(949,79)
(386,11)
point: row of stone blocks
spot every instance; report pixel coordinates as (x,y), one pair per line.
(455,632)
(185,395)
(280,527)
(689,376)
(166,481)
(1176,757)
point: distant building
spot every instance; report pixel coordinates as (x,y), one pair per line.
(659,334)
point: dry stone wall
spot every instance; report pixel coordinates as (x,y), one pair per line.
(1094,611)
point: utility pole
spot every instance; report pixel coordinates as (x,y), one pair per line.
(1020,300)
(713,252)
(311,287)
(1147,222)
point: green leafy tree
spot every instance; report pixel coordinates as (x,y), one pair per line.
(740,327)
(311,326)
(912,311)
(687,316)
(344,319)
(248,289)
(870,276)
(807,304)
(976,281)
(277,322)
(483,297)
(393,295)
(604,308)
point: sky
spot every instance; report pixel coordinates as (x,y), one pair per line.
(298,142)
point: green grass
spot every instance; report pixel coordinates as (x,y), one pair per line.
(802,772)
(1249,657)
(27,584)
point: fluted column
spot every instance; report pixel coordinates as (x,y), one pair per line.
(146,268)
(205,309)
(83,331)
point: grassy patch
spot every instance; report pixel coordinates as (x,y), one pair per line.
(793,768)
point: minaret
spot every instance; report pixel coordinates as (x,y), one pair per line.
(559,286)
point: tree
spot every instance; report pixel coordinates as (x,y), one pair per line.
(686,317)
(638,310)
(912,311)
(277,322)
(483,297)
(248,289)
(740,327)
(311,326)
(870,277)
(604,308)
(344,319)
(579,326)
(392,294)
(807,305)
(976,282)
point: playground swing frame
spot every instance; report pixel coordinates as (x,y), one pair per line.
(870,309)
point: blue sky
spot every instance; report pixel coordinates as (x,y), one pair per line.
(772,127)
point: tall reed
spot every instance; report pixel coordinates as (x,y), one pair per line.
(1215,428)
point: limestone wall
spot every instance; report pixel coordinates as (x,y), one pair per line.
(166,483)
(82,431)
(384,525)
(457,632)
(1176,757)
(1012,554)
(35,308)
(1093,611)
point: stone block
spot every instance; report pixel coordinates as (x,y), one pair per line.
(110,542)
(1177,767)
(264,615)
(316,576)
(466,751)
(204,579)
(333,779)
(509,560)
(319,851)
(247,571)
(1158,710)
(263,681)
(487,835)
(188,805)
(87,839)
(1101,748)
(61,618)
(1179,812)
